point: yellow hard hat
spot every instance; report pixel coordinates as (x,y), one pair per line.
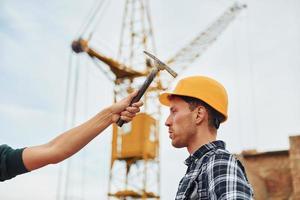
(200,87)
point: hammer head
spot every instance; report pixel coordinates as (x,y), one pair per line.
(161,65)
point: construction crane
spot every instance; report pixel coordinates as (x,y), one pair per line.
(135,168)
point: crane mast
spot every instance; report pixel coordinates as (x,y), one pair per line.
(134,171)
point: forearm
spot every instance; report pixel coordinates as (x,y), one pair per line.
(68,143)
(76,138)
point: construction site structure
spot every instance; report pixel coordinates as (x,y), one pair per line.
(135,168)
(274,175)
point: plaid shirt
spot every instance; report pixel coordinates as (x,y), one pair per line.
(213,173)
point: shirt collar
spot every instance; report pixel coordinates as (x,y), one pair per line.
(218,144)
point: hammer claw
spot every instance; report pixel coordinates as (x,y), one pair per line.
(161,65)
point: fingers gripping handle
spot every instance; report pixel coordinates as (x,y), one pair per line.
(140,93)
(120,122)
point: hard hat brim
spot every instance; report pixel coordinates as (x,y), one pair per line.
(164,97)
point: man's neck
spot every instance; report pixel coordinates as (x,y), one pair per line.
(202,137)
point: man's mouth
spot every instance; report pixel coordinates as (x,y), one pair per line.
(170,134)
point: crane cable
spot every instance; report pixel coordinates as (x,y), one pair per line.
(90,17)
(85,112)
(73,118)
(73,121)
(237,86)
(148,13)
(82,30)
(66,117)
(250,58)
(106,73)
(100,17)
(65,124)
(236,73)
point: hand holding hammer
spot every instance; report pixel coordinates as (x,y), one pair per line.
(158,65)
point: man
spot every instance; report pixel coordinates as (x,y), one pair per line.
(197,107)
(19,161)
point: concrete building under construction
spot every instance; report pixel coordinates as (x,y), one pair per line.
(274,175)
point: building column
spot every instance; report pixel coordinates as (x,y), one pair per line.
(295,165)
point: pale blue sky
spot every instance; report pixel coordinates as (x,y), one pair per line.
(256,58)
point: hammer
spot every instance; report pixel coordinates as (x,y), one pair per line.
(159,65)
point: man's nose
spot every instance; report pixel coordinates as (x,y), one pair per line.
(168,121)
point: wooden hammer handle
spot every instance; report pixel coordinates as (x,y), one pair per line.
(141,92)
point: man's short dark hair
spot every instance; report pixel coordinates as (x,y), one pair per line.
(214,117)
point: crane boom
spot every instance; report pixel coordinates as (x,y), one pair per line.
(202,41)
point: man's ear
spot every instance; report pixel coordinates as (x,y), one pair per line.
(200,115)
